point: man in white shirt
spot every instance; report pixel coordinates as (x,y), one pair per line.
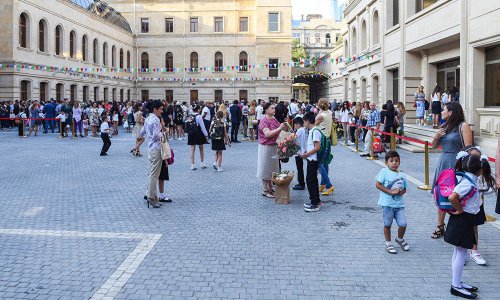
(206,115)
(293,108)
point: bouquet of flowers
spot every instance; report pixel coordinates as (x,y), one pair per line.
(288,147)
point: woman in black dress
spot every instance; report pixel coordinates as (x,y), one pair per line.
(390,121)
(198,137)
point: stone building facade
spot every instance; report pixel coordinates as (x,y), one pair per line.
(319,36)
(183,50)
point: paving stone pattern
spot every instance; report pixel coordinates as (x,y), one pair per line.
(220,238)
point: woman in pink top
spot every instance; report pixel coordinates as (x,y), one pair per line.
(267,160)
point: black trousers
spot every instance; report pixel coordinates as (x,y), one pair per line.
(234,131)
(106,143)
(312,181)
(20,128)
(299,163)
(352,130)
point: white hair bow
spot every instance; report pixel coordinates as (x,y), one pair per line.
(484,157)
(462,155)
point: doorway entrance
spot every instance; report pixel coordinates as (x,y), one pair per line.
(448,74)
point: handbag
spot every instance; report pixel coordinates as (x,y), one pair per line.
(170,161)
(166,152)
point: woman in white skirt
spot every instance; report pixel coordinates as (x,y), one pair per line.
(267,160)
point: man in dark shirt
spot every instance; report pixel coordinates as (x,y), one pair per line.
(49,110)
(236,117)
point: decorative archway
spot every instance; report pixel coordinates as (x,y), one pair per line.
(315,81)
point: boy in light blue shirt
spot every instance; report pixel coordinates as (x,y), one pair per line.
(392,185)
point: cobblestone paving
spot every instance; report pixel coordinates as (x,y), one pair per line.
(220,239)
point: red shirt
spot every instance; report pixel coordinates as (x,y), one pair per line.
(272,124)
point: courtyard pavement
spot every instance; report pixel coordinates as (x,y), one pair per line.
(74,225)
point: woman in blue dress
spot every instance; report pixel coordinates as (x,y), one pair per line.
(452,136)
(420,105)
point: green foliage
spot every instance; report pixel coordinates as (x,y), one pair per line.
(298,51)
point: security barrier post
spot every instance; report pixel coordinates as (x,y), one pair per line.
(392,140)
(345,133)
(356,140)
(426,186)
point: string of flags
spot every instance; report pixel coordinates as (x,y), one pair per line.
(244,68)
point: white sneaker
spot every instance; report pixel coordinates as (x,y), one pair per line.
(193,167)
(203,166)
(170,139)
(220,169)
(179,138)
(477,258)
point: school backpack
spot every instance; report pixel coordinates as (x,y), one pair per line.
(378,146)
(445,184)
(217,132)
(190,124)
(325,151)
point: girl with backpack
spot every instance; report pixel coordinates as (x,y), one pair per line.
(460,231)
(197,135)
(218,133)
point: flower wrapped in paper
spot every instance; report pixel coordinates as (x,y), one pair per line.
(288,147)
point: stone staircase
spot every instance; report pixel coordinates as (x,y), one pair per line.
(423,133)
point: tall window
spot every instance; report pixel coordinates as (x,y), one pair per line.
(73,92)
(128,95)
(95,51)
(169,24)
(105,54)
(144,25)
(307,38)
(169,96)
(144,95)
(317,38)
(375,89)
(193,60)
(42,36)
(243,61)
(354,42)
(354,91)
(59,41)
(375,29)
(219,24)
(193,24)
(243,95)
(144,61)
(72,44)
(364,36)
(23,30)
(169,61)
(395,12)
(423,4)
(346,48)
(274,21)
(122,95)
(219,62)
(43,91)
(328,40)
(218,95)
(113,94)
(25,90)
(121,58)
(492,77)
(193,96)
(113,56)
(243,24)
(395,85)
(96,94)
(85,50)
(59,91)
(273,67)
(363,88)
(106,94)
(128,59)
(85,93)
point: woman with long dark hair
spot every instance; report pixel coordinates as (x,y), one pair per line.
(436,106)
(344,119)
(452,136)
(390,121)
(198,138)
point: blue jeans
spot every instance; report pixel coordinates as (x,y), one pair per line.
(325,180)
(391,213)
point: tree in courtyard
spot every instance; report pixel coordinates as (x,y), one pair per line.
(298,51)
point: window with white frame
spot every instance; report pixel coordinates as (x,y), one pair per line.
(218,24)
(144,25)
(193,24)
(243,24)
(274,22)
(169,24)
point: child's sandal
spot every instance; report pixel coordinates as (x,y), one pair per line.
(439,232)
(391,249)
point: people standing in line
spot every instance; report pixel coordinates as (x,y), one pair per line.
(252,120)
(244,119)
(420,106)
(373,121)
(312,148)
(236,117)
(401,114)
(352,128)
(392,184)
(267,161)
(153,129)
(49,109)
(136,131)
(344,119)
(436,107)
(106,141)
(218,134)
(365,113)
(77,119)
(34,115)
(460,231)
(197,137)
(452,136)
(324,122)
(300,131)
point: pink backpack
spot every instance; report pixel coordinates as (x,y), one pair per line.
(445,184)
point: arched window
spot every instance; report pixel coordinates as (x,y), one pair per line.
(328,39)
(105,54)
(354,42)
(72,44)
(121,58)
(193,61)
(364,36)
(59,39)
(144,61)
(42,36)
(85,50)
(375,89)
(113,56)
(219,60)
(354,91)
(169,61)
(243,61)
(24,32)
(375,29)
(25,90)
(363,89)
(59,91)
(95,51)
(128,59)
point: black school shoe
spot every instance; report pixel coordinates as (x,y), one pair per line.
(167,200)
(298,187)
(470,288)
(462,292)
